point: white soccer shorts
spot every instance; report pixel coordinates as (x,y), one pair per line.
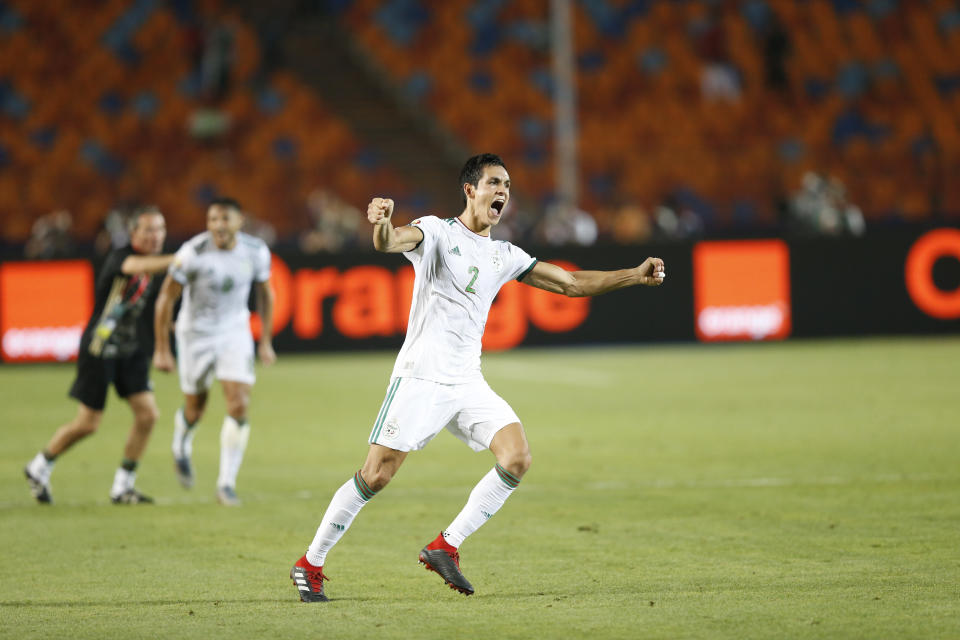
(201,358)
(414,411)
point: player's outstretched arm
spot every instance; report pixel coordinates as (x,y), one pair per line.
(146,264)
(386,237)
(592,283)
(264,303)
(162,323)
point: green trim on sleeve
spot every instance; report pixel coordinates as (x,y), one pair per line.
(527,270)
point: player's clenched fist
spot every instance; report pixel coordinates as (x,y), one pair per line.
(379,210)
(652,272)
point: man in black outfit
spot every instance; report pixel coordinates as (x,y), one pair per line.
(115,348)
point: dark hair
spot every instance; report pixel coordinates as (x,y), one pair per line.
(473,170)
(134,218)
(229,203)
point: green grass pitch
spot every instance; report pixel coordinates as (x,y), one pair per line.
(792,490)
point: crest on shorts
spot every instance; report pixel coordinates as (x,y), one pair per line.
(497,262)
(391,429)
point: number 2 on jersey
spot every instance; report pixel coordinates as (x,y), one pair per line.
(476,272)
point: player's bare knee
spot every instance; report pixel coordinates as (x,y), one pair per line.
(194,407)
(237,411)
(146,417)
(517,462)
(237,404)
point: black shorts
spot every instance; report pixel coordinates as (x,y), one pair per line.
(129,375)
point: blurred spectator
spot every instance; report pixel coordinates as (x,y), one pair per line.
(51,237)
(567,225)
(776,48)
(631,225)
(821,207)
(260,228)
(113,234)
(217,61)
(719,79)
(337,224)
(674,221)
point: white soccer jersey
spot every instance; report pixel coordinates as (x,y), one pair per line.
(217,282)
(458,274)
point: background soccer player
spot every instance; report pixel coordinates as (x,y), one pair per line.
(115,349)
(436,382)
(214,272)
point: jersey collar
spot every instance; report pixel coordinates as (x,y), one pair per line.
(471,231)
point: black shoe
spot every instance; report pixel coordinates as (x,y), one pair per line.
(309,581)
(39,490)
(184,471)
(448,566)
(131,496)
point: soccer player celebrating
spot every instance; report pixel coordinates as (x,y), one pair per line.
(215,272)
(436,381)
(115,349)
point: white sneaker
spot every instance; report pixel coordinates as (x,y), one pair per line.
(38,473)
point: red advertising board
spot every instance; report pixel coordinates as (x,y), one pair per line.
(741,290)
(43,309)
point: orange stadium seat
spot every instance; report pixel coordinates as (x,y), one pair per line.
(97,120)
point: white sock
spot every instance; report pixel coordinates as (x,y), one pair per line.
(182,436)
(233,442)
(122,481)
(484,501)
(343,508)
(41,468)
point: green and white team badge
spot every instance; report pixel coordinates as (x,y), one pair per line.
(391,429)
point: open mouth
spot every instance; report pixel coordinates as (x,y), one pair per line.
(497,206)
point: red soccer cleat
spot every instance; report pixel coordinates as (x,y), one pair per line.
(443,559)
(308,580)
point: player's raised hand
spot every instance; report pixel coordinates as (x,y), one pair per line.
(652,272)
(379,210)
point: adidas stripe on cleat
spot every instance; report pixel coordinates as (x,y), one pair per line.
(308,580)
